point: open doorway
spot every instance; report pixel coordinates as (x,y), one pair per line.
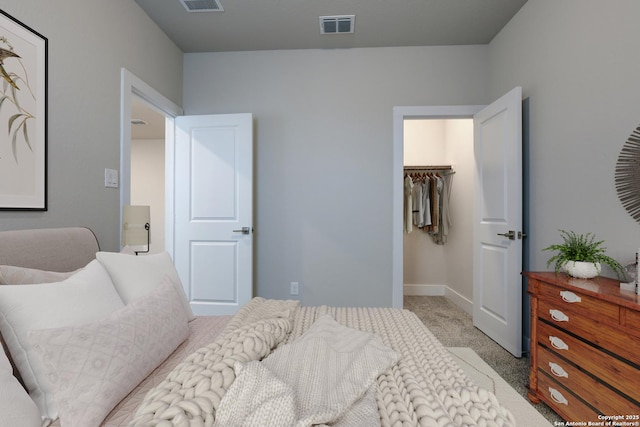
(400,115)
(132,90)
(500,205)
(147,185)
(438,248)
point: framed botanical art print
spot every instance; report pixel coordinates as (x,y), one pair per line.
(23,116)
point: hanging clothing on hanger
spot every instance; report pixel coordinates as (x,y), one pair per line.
(444,212)
(426,201)
(418,207)
(436,188)
(408,204)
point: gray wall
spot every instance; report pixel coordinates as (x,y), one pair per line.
(323,146)
(577,61)
(324,129)
(89,42)
(323,137)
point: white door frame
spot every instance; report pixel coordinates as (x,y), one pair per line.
(132,85)
(399,115)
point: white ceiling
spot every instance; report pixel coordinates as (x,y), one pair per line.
(293,24)
(247,25)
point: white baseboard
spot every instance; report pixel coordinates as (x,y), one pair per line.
(461,301)
(440,291)
(425,290)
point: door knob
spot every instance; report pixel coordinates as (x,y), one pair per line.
(511,235)
(243,230)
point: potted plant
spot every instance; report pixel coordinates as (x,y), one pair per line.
(582,256)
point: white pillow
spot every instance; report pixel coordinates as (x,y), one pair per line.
(86,296)
(16,407)
(11,275)
(136,276)
(94,366)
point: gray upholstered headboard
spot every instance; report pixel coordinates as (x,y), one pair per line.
(51,249)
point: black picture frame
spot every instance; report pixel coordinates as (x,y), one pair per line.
(23,116)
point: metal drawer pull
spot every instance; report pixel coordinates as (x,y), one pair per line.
(557,343)
(557,396)
(558,316)
(568,296)
(557,370)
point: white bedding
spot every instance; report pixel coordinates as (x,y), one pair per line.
(424,388)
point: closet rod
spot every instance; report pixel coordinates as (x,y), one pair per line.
(427,168)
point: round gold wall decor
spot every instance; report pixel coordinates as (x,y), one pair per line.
(627,175)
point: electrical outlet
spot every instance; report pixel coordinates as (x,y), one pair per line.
(295,288)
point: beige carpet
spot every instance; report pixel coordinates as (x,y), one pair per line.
(454,328)
(526,415)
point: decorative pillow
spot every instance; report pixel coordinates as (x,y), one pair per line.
(93,366)
(14,368)
(84,297)
(16,407)
(136,276)
(11,275)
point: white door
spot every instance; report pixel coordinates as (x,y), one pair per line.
(213,210)
(497,254)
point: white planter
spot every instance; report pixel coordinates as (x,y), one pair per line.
(582,270)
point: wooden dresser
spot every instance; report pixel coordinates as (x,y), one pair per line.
(585,348)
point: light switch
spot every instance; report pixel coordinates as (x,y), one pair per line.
(111,178)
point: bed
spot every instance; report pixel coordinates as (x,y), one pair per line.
(96,338)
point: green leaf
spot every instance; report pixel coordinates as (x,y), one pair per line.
(25,133)
(14,137)
(14,147)
(12,119)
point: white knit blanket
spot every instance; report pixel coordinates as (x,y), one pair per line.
(335,368)
(424,388)
(191,393)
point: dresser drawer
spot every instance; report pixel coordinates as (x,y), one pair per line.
(586,387)
(585,346)
(632,319)
(562,401)
(588,306)
(612,338)
(617,373)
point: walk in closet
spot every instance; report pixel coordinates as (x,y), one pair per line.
(439,262)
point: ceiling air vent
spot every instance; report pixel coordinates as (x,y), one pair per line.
(202,5)
(337,24)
